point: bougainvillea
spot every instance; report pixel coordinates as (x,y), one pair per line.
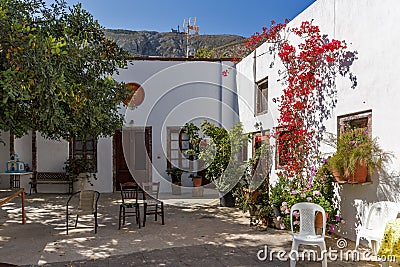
(309,94)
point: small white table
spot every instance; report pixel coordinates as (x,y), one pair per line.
(15,179)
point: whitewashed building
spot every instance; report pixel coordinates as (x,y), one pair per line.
(174,91)
(371,29)
(177,91)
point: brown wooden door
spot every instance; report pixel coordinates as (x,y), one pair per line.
(133,155)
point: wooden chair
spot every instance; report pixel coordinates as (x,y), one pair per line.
(130,200)
(152,205)
(87,205)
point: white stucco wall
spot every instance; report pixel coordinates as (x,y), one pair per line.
(177,92)
(371,28)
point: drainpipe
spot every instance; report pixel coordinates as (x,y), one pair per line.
(220,93)
(255,80)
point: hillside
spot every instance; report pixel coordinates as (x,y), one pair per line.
(169,44)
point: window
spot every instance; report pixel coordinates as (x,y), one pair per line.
(261,97)
(242,153)
(281,148)
(356,120)
(84,149)
(177,145)
(262,165)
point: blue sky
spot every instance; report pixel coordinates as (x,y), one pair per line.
(213,16)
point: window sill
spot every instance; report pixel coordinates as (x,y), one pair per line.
(364,183)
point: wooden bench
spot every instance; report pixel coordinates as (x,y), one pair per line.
(50,178)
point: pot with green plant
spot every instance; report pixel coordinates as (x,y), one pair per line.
(192,131)
(356,156)
(81,171)
(176,179)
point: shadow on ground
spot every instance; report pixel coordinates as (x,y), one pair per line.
(197,236)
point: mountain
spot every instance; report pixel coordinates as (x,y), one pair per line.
(170,44)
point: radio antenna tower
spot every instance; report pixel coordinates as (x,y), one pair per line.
(190,29)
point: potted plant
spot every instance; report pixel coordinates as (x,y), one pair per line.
(356,156)
(192,131)
(176,179)
(197,179)
(81,170)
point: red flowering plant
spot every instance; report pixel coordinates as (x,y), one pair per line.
(309,93)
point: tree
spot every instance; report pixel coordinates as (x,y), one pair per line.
(55,71)
(220,154)
(205,52)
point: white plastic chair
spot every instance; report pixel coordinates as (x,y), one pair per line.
(378,215)
(307,235)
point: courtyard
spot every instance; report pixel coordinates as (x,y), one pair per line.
(199,235)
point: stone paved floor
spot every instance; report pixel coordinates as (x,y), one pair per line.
(197,236)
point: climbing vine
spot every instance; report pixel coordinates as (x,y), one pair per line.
(309,95)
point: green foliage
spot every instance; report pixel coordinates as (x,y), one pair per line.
(192,131)
(320,190)
(78,166)
(257,202)
(219,155)
(205,52)
(176,175)
(280,191)
(354,147)
(55,71)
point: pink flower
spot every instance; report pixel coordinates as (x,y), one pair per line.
(296,214)
(331,228)
(323,178)
(366,132)
(316,193)
(284,204)
(303,195)
(294,192)
(313,168)
(296,222)
(287,211)
(324,160)
(309,199)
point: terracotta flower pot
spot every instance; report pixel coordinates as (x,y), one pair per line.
(196,181)
(318,219)
(339,178)
(251,194)
(360,174)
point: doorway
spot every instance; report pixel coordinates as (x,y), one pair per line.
(133,155)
